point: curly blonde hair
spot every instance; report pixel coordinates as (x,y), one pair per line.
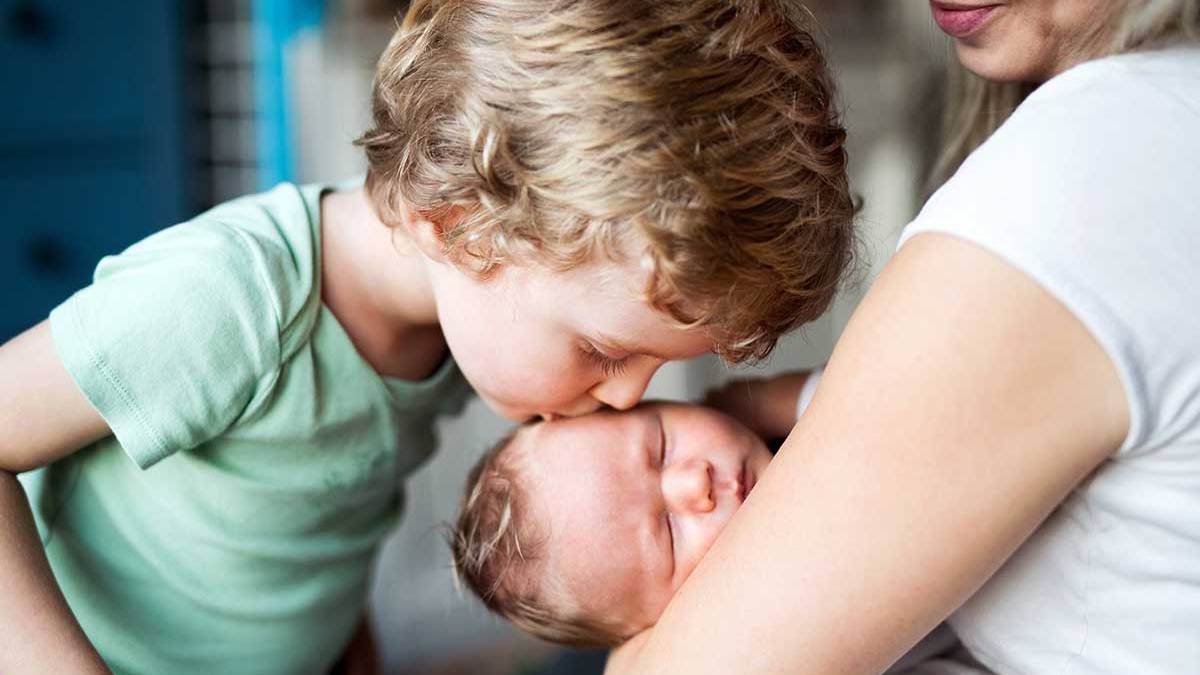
(704,130)
(496,550)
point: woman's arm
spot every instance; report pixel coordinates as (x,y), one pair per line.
(44,416)
(962,404)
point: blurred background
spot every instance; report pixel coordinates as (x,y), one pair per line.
(121,118)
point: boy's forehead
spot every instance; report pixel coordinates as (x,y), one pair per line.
(634,326)
(657,321)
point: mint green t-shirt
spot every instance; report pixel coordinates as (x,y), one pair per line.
(257,461)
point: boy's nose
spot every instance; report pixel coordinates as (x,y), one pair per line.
(688,486)
(623,391)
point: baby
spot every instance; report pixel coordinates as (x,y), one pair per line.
(580,530)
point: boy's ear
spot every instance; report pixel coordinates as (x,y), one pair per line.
(426,230)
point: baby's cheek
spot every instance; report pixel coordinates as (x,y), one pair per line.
(686,563)
(702,539)
(656,602)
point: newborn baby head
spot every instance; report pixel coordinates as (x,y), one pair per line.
(580,530)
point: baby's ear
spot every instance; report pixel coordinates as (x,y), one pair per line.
(426,229)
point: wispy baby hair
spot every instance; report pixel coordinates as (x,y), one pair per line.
(496,550)
(705,132)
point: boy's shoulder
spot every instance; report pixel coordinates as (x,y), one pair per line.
(267,244)
(218,302)
(281,227)
(285,212)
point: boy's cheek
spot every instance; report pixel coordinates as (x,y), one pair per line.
(521,393)
(510,413)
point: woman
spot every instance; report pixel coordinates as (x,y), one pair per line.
(1030,366)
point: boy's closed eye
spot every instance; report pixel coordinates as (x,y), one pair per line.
(611,366)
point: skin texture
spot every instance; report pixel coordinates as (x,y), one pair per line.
(628,503)
(42,423)
(389,290)
(838,562)
(532,341)
(1029,40)
(767,405)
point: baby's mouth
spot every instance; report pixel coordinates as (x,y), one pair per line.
(745,483)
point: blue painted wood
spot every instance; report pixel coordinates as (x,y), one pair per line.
(276,22)
(93,148)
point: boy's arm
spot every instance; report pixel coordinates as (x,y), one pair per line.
(767,405)
(44,417)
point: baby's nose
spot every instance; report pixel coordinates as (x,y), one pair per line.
(687,486)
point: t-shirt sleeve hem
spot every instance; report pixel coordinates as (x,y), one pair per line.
(104,390)
(808,390)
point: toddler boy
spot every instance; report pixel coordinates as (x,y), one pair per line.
(560,197)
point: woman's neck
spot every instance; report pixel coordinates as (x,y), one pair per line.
(377,287)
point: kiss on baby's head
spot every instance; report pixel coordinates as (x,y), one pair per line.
(580,530)
(697,139)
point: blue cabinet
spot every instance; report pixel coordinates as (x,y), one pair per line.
(93,141)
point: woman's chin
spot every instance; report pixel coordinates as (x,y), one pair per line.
(997,64)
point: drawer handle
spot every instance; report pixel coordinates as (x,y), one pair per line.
(30,23)
(47,255)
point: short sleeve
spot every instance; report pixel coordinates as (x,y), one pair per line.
(1092,189)
(174,339)
(808,390)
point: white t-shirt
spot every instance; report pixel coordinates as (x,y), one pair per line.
(1092,188)
(808,390)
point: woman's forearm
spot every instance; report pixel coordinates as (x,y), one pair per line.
(40,633)
(960,407)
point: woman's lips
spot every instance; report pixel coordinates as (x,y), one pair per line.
(960,20)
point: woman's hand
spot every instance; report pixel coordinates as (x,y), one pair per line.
(767,405)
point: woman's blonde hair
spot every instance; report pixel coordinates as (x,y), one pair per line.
(705,130)
(977,107)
